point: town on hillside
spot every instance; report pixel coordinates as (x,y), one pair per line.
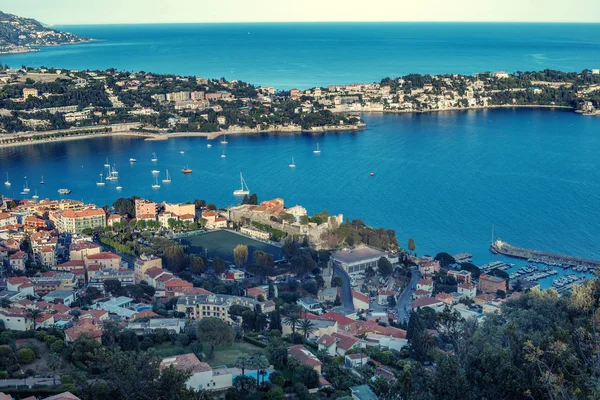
(50,103)
(253,298)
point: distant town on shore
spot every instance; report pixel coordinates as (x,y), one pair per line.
(44,103)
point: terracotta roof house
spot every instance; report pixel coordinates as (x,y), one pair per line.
(345,324)
(425,302)
(306,357)
(144,314)
(337,343)
(81,328)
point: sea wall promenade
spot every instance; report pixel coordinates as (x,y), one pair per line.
(500,247)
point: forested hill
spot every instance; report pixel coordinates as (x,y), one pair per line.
(18,33)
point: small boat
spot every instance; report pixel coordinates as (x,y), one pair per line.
(156,185)
(223,155)
(317,151)
(293,164)
(42,181)
(224,141)
(7,183)
(154,158)
(209,145)
(186,170)
(182,152)
(64,191)
(100,182)
(244,190)
(112,175)
(35,196)
(26,188)
(132,160)
(107,164)
(167,179)
(372,174)
(119,187)
(155,172)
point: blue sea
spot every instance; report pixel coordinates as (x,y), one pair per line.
(319,54)
(440,178)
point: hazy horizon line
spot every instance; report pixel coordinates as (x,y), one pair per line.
(321,22)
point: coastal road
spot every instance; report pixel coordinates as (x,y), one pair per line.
(404,301)
(346,290)
(28,382)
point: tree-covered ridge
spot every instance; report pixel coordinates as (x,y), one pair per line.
(541,346)
(17,31)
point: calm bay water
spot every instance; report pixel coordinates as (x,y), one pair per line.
(306,55)
(441,178)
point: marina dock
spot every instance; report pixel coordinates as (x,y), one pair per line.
(500,247)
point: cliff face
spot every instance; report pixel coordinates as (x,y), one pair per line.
(18,33)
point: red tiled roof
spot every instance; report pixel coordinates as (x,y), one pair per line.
(360,296)
(18,279)
(304,355)
(71,263)
(424,302)
(194,291)
(105,255)
(175,282)
(345,342)
(256,291)
(154,272)
(145,314)
(339,318)
(90,212)
(424,282)
(466,286)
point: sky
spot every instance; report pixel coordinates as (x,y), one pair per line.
(67,12)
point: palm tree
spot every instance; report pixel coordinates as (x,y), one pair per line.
(34,314)
(279,353)
(110,331)
(293,363)
(292,320)
(307,327)
(259,362)
(427,343)
(242,362)
(54,365)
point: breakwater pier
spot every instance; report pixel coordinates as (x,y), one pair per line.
(500,247)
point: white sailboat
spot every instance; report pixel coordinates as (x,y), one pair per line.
(112,175)
(224,141)
(42,181)
(26,188)
(223,155)
(132,160)
(244,190)
(35,196)
(155,172)
(7,182)
(209,145)
(154,158)
(167,179)
(155,185)
(317,151)
(119,187)
(100,182)
(107,163)
(293,164)
(182,152)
